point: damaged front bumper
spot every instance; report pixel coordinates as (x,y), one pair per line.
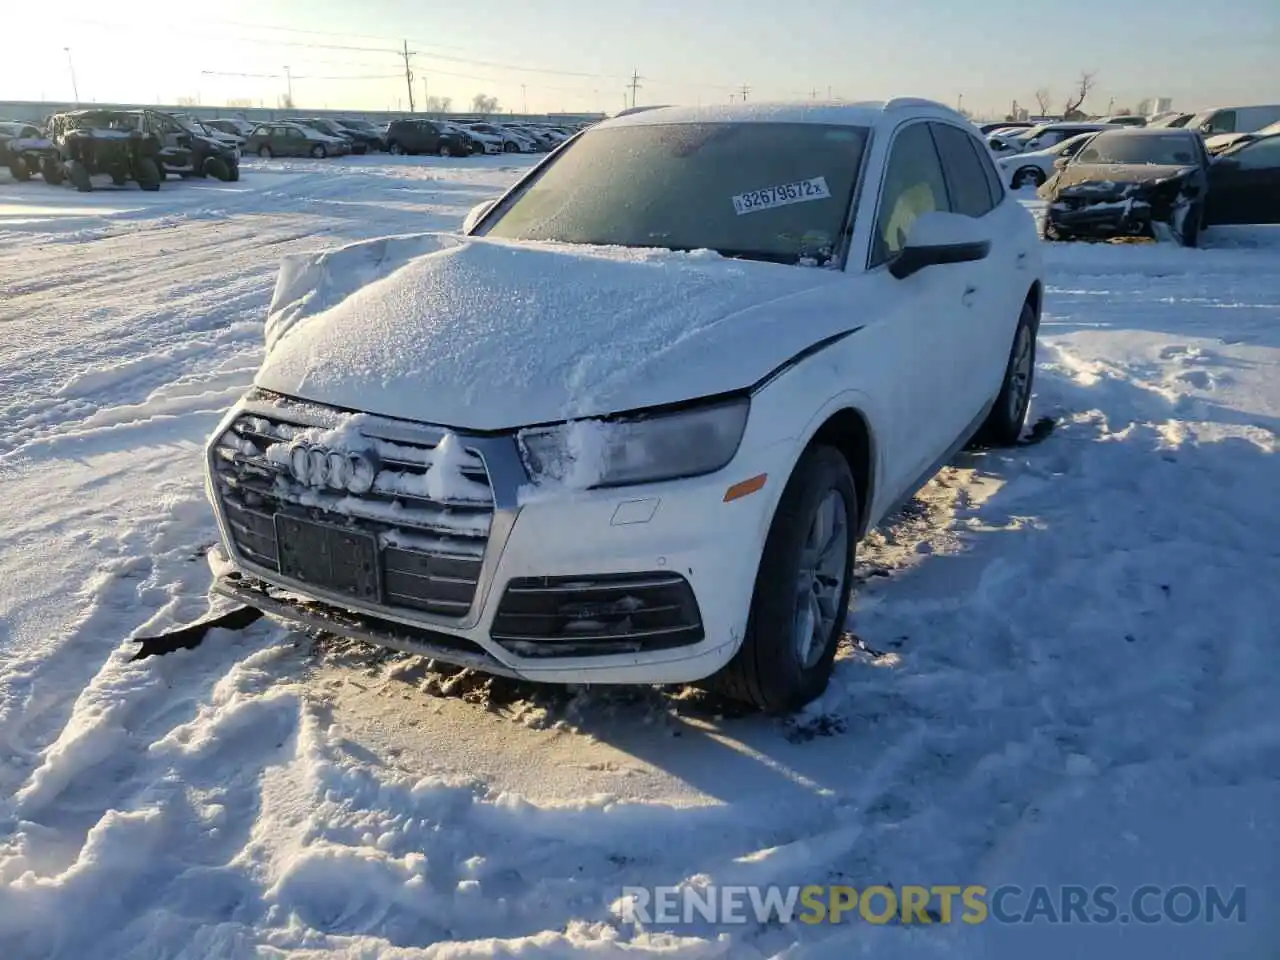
(1146,211)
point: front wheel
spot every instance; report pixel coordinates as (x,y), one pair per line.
(149,175)
(217,168)
(510,147)
(78,174)
(264,152)
(19,170)
(51,170)
(446,150)
(1028,177)
(395,149)
(1192,226)
(1004,423)
(319,151)
(802,590)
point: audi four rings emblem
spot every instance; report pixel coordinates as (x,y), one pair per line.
(317,467)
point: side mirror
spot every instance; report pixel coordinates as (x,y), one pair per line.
(936,238)
(1061,163)
(477,212)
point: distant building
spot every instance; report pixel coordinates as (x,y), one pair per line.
(1153,106)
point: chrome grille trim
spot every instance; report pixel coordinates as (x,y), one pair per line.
(438,557)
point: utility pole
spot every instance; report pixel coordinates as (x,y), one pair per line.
(745,90)
(408,75)
(75,91)
(288,78)
(813,94)
(426,101)
(635,85)
(960,103)
(524,100)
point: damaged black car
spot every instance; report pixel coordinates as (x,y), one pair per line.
(1136,182)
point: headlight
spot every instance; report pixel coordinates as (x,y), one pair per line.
(609,453)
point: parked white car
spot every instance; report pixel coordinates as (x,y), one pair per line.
(489,143)
(574,445)
(1032,169)
(1042,137)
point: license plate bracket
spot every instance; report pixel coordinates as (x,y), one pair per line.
(340,560)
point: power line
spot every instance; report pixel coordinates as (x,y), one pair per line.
(635,85)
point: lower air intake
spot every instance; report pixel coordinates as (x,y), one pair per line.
(596,615)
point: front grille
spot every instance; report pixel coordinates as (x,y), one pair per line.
(431,533)
(594,615)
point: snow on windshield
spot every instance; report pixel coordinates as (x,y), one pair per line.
(769,191)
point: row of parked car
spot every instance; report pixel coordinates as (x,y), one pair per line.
(321,137)
(144,146)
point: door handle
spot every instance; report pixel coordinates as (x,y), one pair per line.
(1022,260)
(967,298)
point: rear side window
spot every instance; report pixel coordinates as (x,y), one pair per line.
(1224,121)
(966,179)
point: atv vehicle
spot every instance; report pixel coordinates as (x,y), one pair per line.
(24,149)
(90,142)
(187,149)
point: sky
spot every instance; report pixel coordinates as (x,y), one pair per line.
(579,55)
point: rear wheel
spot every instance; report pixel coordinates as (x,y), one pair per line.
(802,590)
(510,147)
(395,149)
(1004,423)
(446,150)
(78,174)
(264,152)
(19,169)
(319,151)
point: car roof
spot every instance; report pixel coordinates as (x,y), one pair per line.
(852,114)
(1151,131)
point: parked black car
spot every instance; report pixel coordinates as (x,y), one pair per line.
(362,131)
(1244,183)
(188,151)
(425,136)
(325,125)
(1124,182)
(26,151)
(89,142)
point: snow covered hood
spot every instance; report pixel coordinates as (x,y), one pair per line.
(1116,173)
(486,335)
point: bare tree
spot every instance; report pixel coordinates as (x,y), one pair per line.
(1043,100)
(484,104)
(1071,110)
(240,103)
(438,104)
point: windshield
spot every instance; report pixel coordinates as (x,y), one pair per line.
(766,191)
(324,126)
(1166,149)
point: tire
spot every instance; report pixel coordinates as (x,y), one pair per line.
(235,174)
(1192,226)
(1027,177)
(78,174)
(1004,423)
(510,147)
(265,152)
(395,149)
(149,175)
(119,179)
(19,170)
(51,170)
(780,666)
(319,151)
(217,168)
(446,150)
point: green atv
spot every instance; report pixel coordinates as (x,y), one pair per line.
(111,142)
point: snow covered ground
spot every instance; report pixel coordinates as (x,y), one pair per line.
(1061,669)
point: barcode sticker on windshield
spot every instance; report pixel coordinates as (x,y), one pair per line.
(801,191)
